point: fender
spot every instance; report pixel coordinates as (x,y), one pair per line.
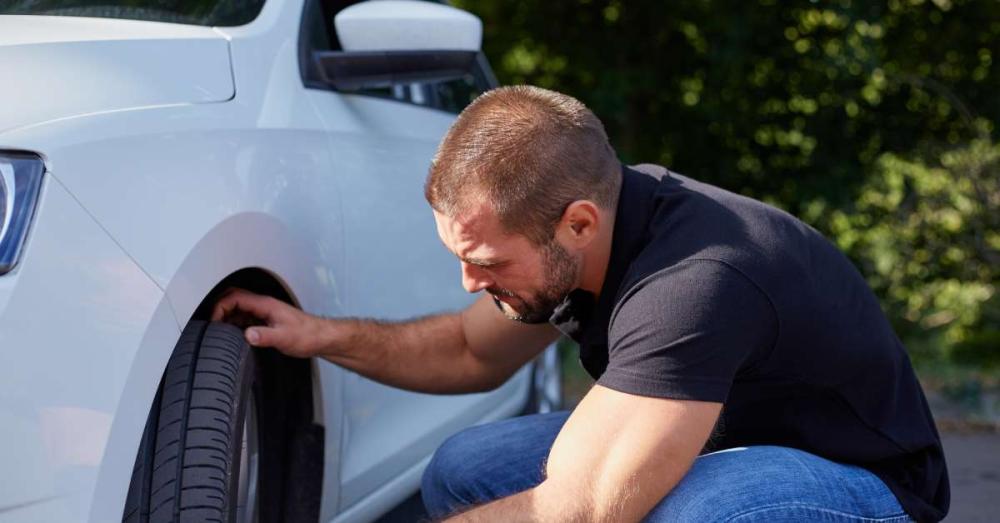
(249,239)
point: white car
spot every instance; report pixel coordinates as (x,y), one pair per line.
(152,158)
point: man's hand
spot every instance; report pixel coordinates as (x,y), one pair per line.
(285,328)
(617,456)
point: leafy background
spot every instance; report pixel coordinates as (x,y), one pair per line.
(875,122)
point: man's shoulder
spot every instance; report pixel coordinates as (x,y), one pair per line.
(702,283)
(651,169)
(691,219)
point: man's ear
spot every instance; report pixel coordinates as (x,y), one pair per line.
(580,224)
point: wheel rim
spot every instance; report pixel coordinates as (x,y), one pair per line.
(246,506)
(548,381)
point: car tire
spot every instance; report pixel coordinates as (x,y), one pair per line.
(199,455)
(546,392)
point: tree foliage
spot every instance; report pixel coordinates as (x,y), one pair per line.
(873,121)
(927,235)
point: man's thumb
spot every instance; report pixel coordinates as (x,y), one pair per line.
(257,336)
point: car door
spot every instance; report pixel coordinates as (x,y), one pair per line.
(382,144)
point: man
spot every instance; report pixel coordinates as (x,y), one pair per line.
(744,369)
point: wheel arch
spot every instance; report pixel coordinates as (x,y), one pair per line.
(264,282)
(258,251)
(304,392)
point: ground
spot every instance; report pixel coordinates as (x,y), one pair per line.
(974,467)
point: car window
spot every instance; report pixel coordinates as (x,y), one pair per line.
(452,96)
(192,12)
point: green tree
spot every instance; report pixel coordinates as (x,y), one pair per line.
(927,234)
(863,118)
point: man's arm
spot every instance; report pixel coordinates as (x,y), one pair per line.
(617,456)
(469,351)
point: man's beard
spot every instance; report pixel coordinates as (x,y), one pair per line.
(560,278)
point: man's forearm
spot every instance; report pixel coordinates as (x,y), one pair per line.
(521,507)
(427,355)
(537,505)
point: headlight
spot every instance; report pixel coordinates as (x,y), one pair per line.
(20,181)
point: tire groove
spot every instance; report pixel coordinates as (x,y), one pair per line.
(213,429)
(214,409)
(228,363)
(196,346)
(213,389)
(231,381)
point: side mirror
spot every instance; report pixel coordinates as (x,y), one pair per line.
(396,42)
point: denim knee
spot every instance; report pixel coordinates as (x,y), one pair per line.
(768,483)
(488,462)
(446,484)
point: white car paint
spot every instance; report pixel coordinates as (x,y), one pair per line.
(103,65)
(453,28)
(71,320)
(175,156)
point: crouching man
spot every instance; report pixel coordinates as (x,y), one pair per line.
(744,370)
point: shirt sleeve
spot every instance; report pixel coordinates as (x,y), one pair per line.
(685,331)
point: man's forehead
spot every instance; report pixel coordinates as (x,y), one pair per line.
(472,222)
(472,233)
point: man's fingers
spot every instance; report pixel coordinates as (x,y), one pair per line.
(263,337)
(219,312)
(246,309)
(225,303)
(255,304)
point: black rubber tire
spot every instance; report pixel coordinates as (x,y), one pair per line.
(187,468)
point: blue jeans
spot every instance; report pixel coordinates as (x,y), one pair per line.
(774,484)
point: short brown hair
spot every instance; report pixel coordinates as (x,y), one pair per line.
(528,152)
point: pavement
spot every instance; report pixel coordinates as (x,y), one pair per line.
(974,470)
(970,433)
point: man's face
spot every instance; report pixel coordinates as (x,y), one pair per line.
(527,281)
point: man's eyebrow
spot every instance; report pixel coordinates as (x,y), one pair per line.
(479,261)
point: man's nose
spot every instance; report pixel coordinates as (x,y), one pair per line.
(474,279)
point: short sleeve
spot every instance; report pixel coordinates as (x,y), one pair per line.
(685,331)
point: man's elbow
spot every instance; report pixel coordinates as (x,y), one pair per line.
(486,376)
(490,381)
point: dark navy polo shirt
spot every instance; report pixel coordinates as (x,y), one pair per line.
(712,296)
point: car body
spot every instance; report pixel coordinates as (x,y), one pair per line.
(180,160)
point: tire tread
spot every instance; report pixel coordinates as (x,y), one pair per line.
(185,455)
